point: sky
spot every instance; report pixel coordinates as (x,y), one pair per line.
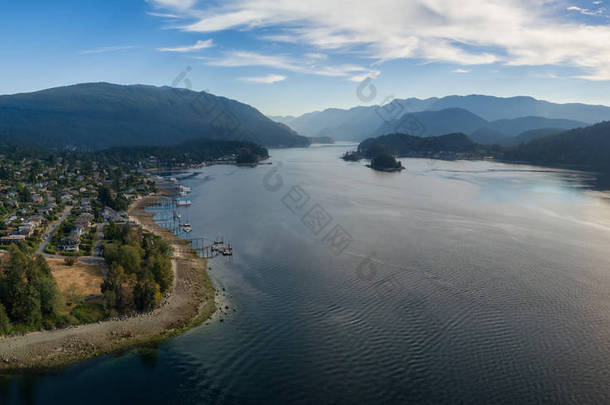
(289,57)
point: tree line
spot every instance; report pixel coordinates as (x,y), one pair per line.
(29,297)
(140,269)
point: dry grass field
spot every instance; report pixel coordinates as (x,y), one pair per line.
(84,278)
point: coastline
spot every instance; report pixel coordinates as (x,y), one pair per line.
(191,302)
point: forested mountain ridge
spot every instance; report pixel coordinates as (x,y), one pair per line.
(587,147)
(102,115)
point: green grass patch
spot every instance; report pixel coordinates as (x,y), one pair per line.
(88,312)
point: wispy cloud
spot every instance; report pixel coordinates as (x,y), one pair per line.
(316,56)
(359,78)
(162,15)
(586,11)
(190,48)
(105,49)
(173,4)
(284,62)
(461,71)
(269,79)
(473,32)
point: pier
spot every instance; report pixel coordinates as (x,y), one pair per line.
(171,216)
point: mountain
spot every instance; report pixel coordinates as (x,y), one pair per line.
(529,136)
(515,126)
(355,123)
(405,145)
(489,136)
(100,115)
(587,147)
(515,131)
(433,123)
(361,122)
(286,120)
(496,108)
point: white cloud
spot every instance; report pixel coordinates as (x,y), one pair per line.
(470,32)
(284,62)
(359,78)
(586,11)
(269,79)
(317,56)
(248,58)
(461,71)
(162,15)
(190,48)
(173,4)
(105,49)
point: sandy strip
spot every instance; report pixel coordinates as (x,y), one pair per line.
(191,302)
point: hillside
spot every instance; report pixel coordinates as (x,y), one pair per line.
(433,123)
(405,145)
(100,115)
(352,124)
(529,136)
(488,136)
(587,147)
(515,126)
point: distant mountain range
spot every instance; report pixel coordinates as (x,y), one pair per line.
(497,118)
(585,148)
(434,123)
(101,115)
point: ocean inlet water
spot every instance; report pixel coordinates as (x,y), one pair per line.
(450,282)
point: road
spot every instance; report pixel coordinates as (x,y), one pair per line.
(191,301)
(51,228)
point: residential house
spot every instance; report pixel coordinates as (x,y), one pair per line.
(37,198)
(7,240)
(70,243)
(26,229)
(111,215)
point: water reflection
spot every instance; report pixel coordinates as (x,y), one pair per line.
(148,355)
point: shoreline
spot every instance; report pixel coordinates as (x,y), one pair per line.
(191,302)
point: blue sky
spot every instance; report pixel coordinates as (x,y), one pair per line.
(294,56)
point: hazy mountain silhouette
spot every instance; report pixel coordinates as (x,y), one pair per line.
(99,115)
(359,123)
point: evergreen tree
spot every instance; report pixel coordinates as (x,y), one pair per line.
(5,322)
(146,293)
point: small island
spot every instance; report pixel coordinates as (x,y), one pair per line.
(384,162)
(380,160)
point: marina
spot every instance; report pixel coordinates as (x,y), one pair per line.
(169,214)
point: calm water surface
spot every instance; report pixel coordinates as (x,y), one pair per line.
(456,282)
